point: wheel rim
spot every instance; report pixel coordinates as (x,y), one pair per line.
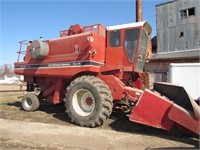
(37,91)
(83,102)
(28,103)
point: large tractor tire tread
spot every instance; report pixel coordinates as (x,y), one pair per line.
(103,101)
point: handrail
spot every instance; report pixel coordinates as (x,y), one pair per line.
(24,42)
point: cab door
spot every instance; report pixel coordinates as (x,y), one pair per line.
(114,49)
(141,54)
(131,41)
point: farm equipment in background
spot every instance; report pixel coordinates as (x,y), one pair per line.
(93,69)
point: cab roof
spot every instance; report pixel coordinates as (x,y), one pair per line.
(136,24)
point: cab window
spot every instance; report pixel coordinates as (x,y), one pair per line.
(114,39)
(131,43)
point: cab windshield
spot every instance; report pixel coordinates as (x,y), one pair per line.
(131,43)
(142,51)
(131,40)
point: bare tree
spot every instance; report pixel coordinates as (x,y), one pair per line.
(6,69)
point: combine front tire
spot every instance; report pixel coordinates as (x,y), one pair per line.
(88,101)
(30,102)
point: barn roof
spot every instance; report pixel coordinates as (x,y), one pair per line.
(186,54)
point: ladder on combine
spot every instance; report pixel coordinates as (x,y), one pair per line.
(22,43)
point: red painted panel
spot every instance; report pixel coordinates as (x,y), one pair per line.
(115,85)
(60,72)
(64,49)
(152,110)
(97,28)
(185,118)
(114,56)
(118,88)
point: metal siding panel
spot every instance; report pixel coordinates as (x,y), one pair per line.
(161,27)
(189,26)
(178,8)
(172,38)
(185,3)
(166,40)
(168,16)
(171,14)
(196,35)
(165,28)
(158,28)
(188,40)
(165,25)
(179,40)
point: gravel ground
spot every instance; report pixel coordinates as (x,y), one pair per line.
(13,87)
(53,116)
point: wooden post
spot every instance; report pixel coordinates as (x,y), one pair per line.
(138,10)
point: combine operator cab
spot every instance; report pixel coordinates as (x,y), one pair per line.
(128,45)
(127,50)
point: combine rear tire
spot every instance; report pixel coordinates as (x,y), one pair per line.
(30,102)
(88,101)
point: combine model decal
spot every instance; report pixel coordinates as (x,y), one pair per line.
(60,64)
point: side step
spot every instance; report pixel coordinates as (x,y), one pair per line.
(172,105)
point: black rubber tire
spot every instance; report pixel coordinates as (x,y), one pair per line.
(30,102)
(102,98)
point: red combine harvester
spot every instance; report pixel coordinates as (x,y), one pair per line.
(93,69)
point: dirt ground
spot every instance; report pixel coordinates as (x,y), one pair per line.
(12,87)
(10,109)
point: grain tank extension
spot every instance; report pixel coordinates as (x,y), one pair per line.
(94,69)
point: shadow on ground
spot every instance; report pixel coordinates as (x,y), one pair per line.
(47,113)
(57,111)
(119,122)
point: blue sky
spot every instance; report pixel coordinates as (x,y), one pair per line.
(30,19)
